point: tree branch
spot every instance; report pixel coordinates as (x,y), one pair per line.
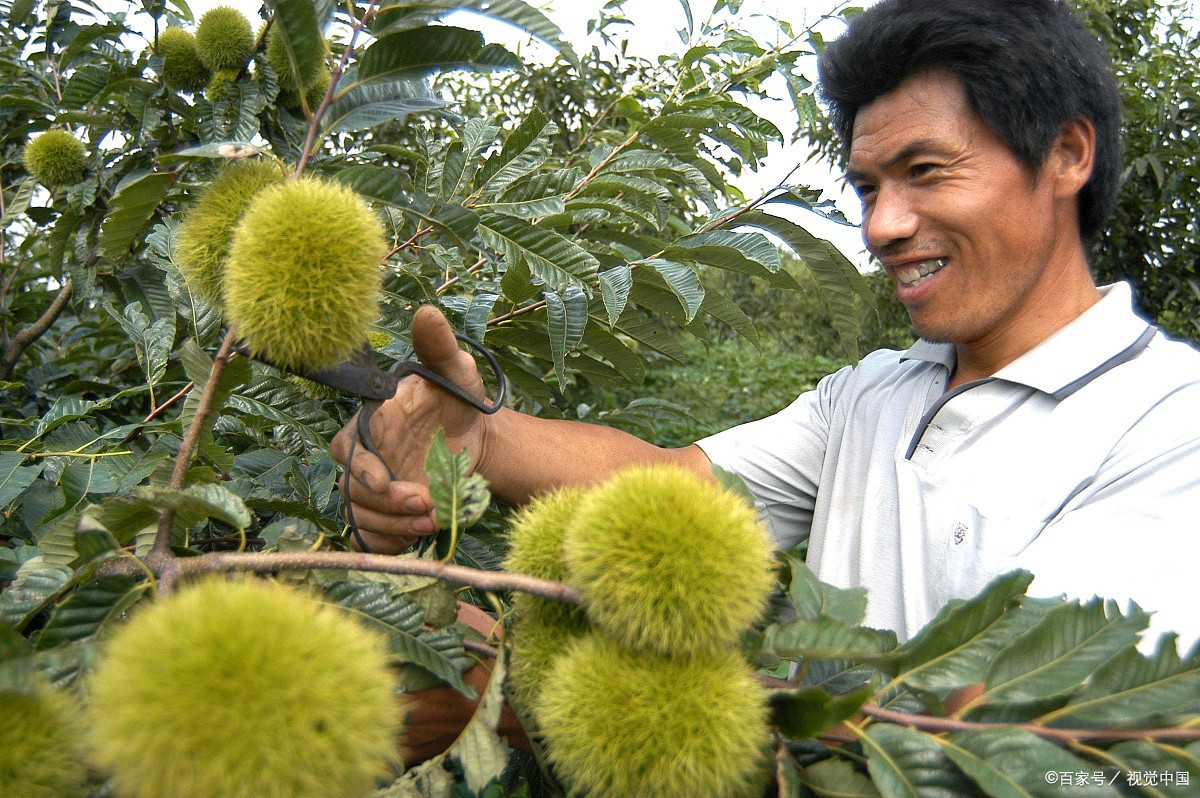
(162,540)
(932,724)
(21,341)
(380,563)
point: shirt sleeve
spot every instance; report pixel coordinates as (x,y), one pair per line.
(781,457)
(1132,534)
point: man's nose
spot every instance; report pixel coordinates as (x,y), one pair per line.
(888,219)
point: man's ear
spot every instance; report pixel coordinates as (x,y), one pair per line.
(1072,156)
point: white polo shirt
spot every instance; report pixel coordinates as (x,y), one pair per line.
(1080,462)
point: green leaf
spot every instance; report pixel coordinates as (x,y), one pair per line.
(482,753)
(1061,651)
(428,651)
(152,341)
(14,477)
(615,284)
(299,32)
(837,278)
(615,351)
(809,711)
(726,311)
(362,107)
(747,253)
(384,184)
(567,316)
(906,763)
(1176,771)
(207,500)
(89,609)
(1132,687)
(683,282)
(416,53)
(814,599)
(554,260)
(37,584)
(525,17)
(130,209)
(476,316)
(459,496)
(956,647)
(524,150)
(1013,763)
(837,778)
(18,203)
(378,605)
(826,638)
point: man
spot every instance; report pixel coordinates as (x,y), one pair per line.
(1038,424)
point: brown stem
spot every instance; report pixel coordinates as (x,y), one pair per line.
(380,563)
(161,551)
(158,411)
(21,341)
(932,724)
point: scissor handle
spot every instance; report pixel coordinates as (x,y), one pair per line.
(406,367)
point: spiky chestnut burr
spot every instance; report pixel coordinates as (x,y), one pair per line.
(243,688)
(619,723)
(203,238)
(303,278)
(182,68)
(668,561)
(224,39)
(55,158)
(300,75)
(39,751)
(542,628)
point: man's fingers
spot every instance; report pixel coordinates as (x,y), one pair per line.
(435,345)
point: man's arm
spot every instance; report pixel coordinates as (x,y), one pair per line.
(520,455)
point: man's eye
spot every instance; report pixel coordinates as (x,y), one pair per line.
(917,170)
(864,190)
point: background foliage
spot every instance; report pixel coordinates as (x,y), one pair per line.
(580,218)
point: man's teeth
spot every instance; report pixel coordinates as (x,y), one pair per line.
(912,275)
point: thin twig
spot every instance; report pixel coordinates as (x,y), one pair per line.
(932,724)
(21,341)
(162,540)
(158,411)
(380,563)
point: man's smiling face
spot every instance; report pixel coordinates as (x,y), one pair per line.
(966,231)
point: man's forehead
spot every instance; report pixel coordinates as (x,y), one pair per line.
(927,112)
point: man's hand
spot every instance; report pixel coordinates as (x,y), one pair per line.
(392,514)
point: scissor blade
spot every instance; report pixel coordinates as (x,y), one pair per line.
(362,381)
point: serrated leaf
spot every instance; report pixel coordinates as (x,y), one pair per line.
(663,165)
(426,651)
(130,209)
(837,778)
(615,284)
(1061,651)
(18,203)
(476,316)
(957,646)
(384,184)
(813,598)
(615,351)
(553,259)
(525,17)
(906,763)
(746,253)
(567,316)
(683,282)
(651,334)
(365,106)
(1140,760)
(837,278)
(377,605)
(828,639)
(809,711)
(37,584)
(152,340)
(415,53)
(1132,687)
(89,609)
(460,497)
(1013,763)
(208,500)
(524,150)
(299,32)
(14,477)
(479,749)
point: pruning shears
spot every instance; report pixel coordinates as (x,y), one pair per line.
(361,378)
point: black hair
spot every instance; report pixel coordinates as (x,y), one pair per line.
(1027,67)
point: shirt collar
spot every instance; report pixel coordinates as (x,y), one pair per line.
(1106,334)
